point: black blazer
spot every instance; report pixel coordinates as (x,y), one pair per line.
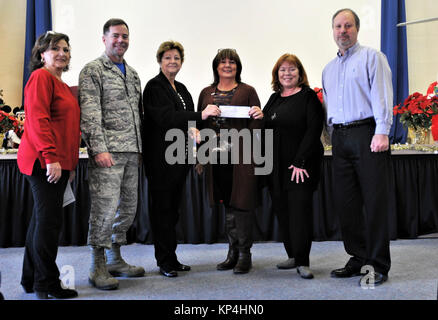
(164,110)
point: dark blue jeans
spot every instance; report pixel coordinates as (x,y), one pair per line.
(39,265)
(362,189)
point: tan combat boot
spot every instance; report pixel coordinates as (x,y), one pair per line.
(99,276)
(118,267)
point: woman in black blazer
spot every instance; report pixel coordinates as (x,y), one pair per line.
(296,116)
(167,105)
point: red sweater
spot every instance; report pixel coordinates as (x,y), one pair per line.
(51,129)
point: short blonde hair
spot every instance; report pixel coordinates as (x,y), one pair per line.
(170,45)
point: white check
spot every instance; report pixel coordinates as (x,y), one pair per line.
(234,111)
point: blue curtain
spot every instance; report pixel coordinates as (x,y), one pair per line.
(394,46)
(38,21)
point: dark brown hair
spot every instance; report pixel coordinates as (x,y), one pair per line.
(43,43)
(170,45)
(356,17)
(113,22)
(292,59)
(226,54)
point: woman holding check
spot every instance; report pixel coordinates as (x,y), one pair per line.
(168,105)
(234,185)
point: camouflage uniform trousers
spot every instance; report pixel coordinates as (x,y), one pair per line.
(114,194)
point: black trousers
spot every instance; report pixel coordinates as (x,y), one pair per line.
(362,186)
(41,247)
(164,215)
(293,209)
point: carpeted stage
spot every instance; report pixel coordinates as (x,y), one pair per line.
(414,249)
(413,276)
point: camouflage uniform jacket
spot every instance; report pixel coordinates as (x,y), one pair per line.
(111,107)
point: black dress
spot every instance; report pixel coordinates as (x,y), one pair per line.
(222,173)
(297,122)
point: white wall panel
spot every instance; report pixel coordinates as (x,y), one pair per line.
(261,31)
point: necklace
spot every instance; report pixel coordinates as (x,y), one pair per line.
(227,87)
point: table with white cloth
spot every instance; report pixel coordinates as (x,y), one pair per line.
(413,202)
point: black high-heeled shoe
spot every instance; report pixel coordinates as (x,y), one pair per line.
(59,293)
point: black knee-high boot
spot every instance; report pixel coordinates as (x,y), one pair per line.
(244,225)
(231,231)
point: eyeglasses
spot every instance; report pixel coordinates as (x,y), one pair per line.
(47,34)
(233,50)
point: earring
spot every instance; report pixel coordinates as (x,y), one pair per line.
(43,61)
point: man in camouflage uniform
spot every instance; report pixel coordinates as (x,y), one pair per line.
(110,100)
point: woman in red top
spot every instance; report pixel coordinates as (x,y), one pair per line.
(47,156)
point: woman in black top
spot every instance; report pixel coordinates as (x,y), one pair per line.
(167,105)
(296,116)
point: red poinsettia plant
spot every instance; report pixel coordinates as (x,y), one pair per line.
(417,111)
(319,93)
(8,121)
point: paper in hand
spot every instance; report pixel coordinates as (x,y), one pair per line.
(69,197)
(234,111)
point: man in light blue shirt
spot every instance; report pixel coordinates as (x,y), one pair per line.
(357,88)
